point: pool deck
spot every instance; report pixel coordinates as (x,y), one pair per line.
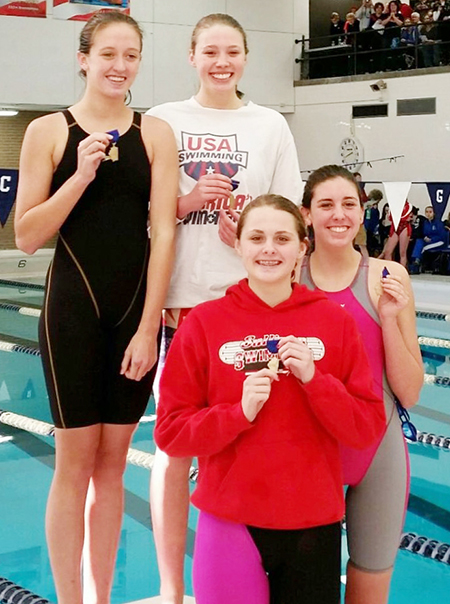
(432,292)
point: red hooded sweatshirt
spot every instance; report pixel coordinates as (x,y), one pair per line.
(283,470)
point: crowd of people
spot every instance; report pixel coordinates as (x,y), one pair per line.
(284,391)
(391,36)
(417,242)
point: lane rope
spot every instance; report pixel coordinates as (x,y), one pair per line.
(136,457)
(437,316)
(21,284)
(435,342)
(412,542)
(11,593)
(22,310)
(426,547)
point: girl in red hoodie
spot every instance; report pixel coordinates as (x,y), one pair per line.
(262,385)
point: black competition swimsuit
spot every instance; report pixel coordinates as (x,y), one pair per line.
(96,288)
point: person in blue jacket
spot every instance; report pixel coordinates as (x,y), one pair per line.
(434,236)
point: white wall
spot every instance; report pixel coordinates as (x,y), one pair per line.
(38,67)
(323,118)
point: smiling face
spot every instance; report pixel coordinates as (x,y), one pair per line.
(393,8)
(113,59)
(219,57)
(335,213)
(270,247)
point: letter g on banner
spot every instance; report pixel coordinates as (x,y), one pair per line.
(8,190)
(439,193)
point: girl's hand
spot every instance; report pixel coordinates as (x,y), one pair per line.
(297,357)
(91,152)
(228,226)
(394,297)
(256,391)
(208,188)
(140,356)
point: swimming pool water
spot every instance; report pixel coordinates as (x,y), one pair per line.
(26,464)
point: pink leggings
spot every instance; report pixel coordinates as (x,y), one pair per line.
(235,564)
(227,565)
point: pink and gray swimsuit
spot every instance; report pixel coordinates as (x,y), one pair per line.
(378,477)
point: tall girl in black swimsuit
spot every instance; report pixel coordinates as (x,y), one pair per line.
(105,291)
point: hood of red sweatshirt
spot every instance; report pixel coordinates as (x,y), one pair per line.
(242,296)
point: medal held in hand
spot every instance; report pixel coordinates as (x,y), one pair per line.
(112,151)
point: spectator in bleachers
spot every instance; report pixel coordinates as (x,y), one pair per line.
(336,29)
(385,225)
(447,223)
(392,19)
(409,40)
(375,17)
(351,29)
(376,29)
(434,237)
(441,9)
(422,7)
(363,14)
(417,222)
(372,221)
(441,14)
(429,38)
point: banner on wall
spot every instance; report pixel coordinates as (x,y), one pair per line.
(8,190)
(82,10)
(396,194)
(439,193)
(23,8)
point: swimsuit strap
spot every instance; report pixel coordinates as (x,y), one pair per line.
(137,119)
(71,121)
(305,274)
(360,289)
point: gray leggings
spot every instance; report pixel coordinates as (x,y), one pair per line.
(376,507)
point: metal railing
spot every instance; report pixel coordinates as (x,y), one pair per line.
(370,51)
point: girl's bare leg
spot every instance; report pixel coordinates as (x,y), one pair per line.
(75,459)
(104,512)
(169,501)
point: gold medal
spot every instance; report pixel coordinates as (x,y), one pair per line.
(113,154)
